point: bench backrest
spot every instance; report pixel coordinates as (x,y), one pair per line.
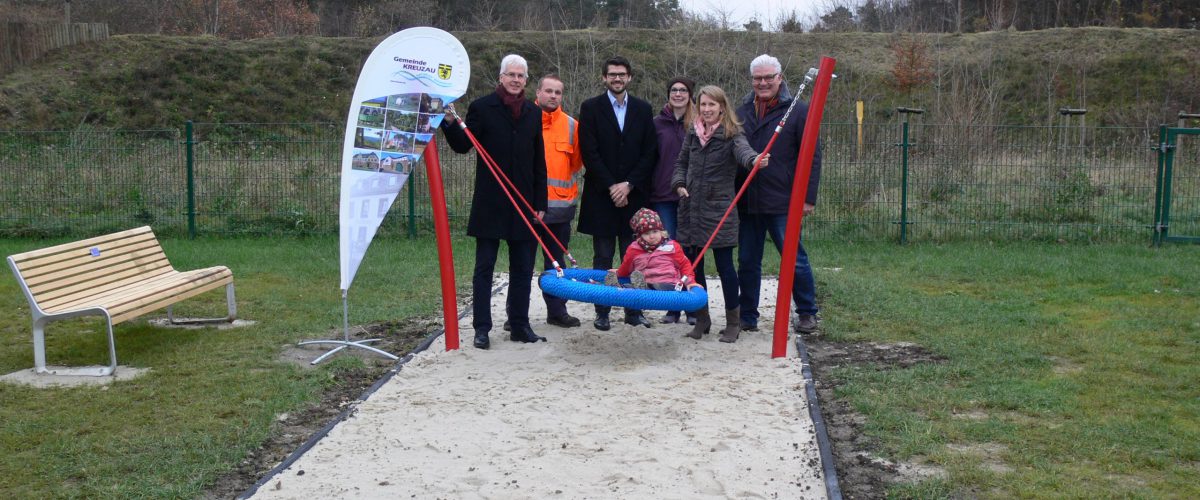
(70,271)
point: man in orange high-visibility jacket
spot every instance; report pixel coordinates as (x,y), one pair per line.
(560,134)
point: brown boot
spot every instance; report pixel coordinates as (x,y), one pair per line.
(703,324)
(733,325)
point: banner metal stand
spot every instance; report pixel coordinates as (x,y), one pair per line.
(346,342)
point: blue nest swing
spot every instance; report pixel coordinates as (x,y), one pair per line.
(587,285)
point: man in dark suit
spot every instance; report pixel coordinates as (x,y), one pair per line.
(509,127)
(620,147)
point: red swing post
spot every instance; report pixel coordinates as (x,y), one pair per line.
(795,220)
(441,226)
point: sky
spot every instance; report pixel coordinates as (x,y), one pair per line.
(766,11)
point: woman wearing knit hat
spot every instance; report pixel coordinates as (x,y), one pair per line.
(671,126)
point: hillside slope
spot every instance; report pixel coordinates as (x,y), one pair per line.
(1134,77)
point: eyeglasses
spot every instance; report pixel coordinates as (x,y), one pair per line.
(764,79)
(518,76)
(679,91)
(618,75)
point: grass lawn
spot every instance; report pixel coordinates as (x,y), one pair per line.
(210,395)
(1071,370)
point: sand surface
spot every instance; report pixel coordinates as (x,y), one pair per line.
(628,413)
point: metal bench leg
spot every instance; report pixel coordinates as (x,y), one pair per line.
(39,345)
(112,349)
(231,300)
(39,352)
(232,305)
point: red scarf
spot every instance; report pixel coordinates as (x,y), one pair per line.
(761,106)
(514,103)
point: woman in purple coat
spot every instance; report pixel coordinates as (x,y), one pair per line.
(671,126)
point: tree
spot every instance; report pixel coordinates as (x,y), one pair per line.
(385,18)
(838,20)
(789,22)
(912,67)
(869,17)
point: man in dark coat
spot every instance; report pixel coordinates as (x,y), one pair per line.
(509,127)
(620,146)
(763,208)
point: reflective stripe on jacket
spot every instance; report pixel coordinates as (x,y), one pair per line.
(560,133)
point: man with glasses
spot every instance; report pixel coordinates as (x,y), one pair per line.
(763,208)
(509,128)
(620,146)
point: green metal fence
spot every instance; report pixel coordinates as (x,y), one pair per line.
(951,182)
(1177,211)
(993,182)
(89,181)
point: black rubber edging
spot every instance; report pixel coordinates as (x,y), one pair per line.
(315,438)
(825,447)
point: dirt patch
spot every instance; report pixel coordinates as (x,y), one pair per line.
(988,454)
(860,473)
(293,429)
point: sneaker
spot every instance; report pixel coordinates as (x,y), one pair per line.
(610,278)
(806,323)
(637,279)
(748,326)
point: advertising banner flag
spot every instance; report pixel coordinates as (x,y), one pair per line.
(398,103)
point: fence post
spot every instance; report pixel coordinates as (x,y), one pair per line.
(412,207)
(1184,116)
(1067,113)
(904,145)
(191,181)
(1160,151)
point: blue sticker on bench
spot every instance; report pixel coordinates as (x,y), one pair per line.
(95,251)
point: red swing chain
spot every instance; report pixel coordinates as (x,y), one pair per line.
(509,189)
(808,77)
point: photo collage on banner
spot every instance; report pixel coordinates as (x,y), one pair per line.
(393,131)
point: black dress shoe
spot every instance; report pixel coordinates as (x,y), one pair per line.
(507,327)
(602,324)
(638,319)
(482,341)
(567,321)
(525,334)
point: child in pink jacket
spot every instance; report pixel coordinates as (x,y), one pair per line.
(653,261)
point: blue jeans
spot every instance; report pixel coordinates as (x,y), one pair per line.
(752,232)
(669,212)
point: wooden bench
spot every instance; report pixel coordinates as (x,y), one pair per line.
(120,276)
